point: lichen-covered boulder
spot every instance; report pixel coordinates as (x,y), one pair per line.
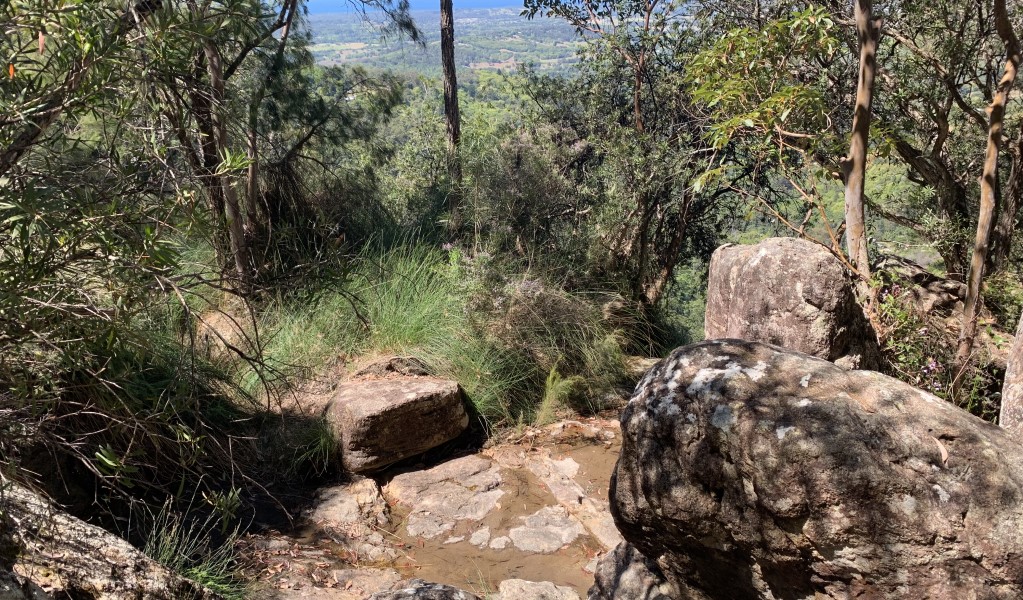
(792,293)
(380,422)
(749,471)
(625,574)
(50,553)
(418,589)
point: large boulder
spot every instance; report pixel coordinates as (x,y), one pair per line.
(748,471)
(928,294)
(53,554)
(792,293)
(380,422)
(1011,416)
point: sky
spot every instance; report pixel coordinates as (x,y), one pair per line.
(333,6)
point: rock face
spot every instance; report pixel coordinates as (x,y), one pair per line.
(351,516)
(1011,416)
(625,574)
(380,422)
(792,293)
(927,292)
(53,554)
(417,589)
(748,471)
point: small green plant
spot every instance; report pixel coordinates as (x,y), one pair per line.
(190,545)
(225,505)
(1003,296)
(556,393)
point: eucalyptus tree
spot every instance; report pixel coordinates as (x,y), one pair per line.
(941,69)
(229,77)
(451,117)
(645,148)
(989,181)
(854,166)
(938,66)
(769,91)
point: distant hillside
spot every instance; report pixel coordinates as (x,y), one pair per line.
(491,39)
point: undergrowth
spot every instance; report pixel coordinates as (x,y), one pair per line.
(499,336)
(920,350)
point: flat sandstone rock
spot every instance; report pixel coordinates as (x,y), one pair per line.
(380,422)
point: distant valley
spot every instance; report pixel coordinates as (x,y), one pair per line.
(486,39)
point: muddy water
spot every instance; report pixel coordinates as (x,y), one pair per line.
(449,559)
(477,569)
(311,562)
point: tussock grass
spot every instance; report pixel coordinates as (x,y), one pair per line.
(191,547)
(499,338)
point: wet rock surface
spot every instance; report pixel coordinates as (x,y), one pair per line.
(748,471)
(463,489)
(523,516)
(792,293)
(354,515)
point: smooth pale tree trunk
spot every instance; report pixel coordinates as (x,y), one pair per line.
(252,133)
(867,32)
(988,192)
(232,208)
(447,55)
(1001,241)
(1011,416)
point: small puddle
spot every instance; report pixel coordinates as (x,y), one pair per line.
(481,569)
(452,557)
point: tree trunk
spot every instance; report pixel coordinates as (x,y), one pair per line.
(867,31)
(988,192)
(1011,416)
(252,133)
(447,55)
(232,210)
(637,97)
(1001,239)
(655,288)
(252,176)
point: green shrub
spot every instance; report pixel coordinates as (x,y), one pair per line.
(1003,296)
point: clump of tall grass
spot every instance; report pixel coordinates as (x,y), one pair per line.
(198,548)
(498,336)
